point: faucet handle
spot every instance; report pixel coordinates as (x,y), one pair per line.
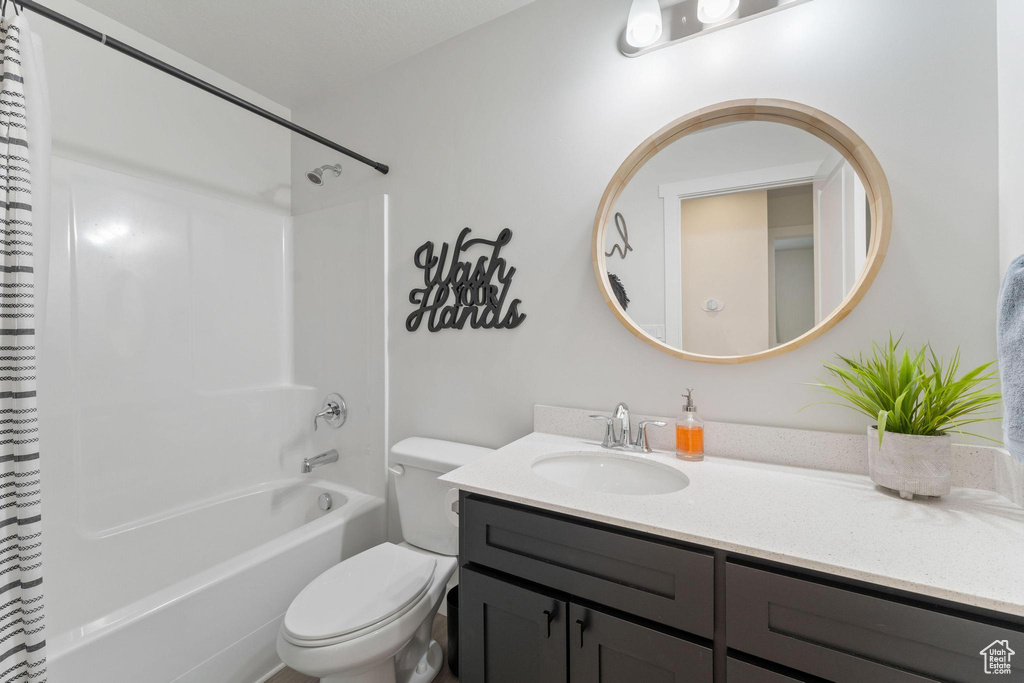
(608,435)
(327,413)
(334,412)
(642,442)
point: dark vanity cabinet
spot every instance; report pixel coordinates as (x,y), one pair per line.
(514,634)
(546,598)
(549,598)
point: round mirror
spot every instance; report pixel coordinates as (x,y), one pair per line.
(741,231)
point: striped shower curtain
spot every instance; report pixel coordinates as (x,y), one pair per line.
(22,644)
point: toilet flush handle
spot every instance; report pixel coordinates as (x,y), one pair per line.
(451,506)
(396,470)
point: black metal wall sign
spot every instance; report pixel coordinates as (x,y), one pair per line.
(457,291)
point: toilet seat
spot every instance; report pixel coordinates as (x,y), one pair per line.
(358,595)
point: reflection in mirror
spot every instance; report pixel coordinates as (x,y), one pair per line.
(744,236)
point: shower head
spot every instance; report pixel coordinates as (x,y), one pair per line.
(316,176)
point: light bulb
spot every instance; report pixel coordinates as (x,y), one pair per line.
(643,27)
(714,11)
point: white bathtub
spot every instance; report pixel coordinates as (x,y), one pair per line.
(197,596)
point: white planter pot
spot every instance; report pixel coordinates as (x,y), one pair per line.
(911,464)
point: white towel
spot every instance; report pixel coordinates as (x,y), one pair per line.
(1010,338)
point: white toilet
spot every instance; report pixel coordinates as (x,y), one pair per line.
(368,619)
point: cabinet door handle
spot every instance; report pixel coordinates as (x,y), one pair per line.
(548,617)
(582,627)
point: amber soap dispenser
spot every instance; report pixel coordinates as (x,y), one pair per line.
(689,432)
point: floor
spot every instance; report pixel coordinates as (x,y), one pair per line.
(440,635)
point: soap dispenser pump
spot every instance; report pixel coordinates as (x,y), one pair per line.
(689,432)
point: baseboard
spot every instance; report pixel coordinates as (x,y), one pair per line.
(273,672)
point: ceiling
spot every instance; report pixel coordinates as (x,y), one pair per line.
(292,51)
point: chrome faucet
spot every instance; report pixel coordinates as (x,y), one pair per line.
(618,435)
(323,459)
(334,412)
(622,422)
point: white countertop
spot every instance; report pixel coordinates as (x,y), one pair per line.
(967,547)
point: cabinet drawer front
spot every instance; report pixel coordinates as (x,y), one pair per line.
(606,649)
(661,582)
(847,636)
(738,671)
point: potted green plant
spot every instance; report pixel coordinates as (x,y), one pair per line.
(917,401)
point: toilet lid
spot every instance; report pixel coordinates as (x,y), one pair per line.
(364,590)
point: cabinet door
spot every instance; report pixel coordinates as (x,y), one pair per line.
(606,649)
(509,634)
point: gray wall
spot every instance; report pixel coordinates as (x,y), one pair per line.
(1011,133)
(521,123)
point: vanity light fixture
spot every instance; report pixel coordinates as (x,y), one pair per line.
(643,26)
(714,11)
(651,27)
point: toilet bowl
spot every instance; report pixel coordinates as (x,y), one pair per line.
(369,618)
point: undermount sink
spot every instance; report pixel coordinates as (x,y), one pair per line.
(609,473)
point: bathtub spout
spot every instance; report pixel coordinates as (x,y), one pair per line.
(324,458)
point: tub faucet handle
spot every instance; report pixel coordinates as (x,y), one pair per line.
(334,412)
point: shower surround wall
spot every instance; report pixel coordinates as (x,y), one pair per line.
(340,330)
(166,379)
(174,390)
(170,377)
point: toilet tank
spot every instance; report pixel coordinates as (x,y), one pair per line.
(421,497)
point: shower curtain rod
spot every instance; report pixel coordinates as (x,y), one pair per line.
(152,61)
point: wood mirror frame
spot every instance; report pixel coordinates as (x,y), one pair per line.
(816,122)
